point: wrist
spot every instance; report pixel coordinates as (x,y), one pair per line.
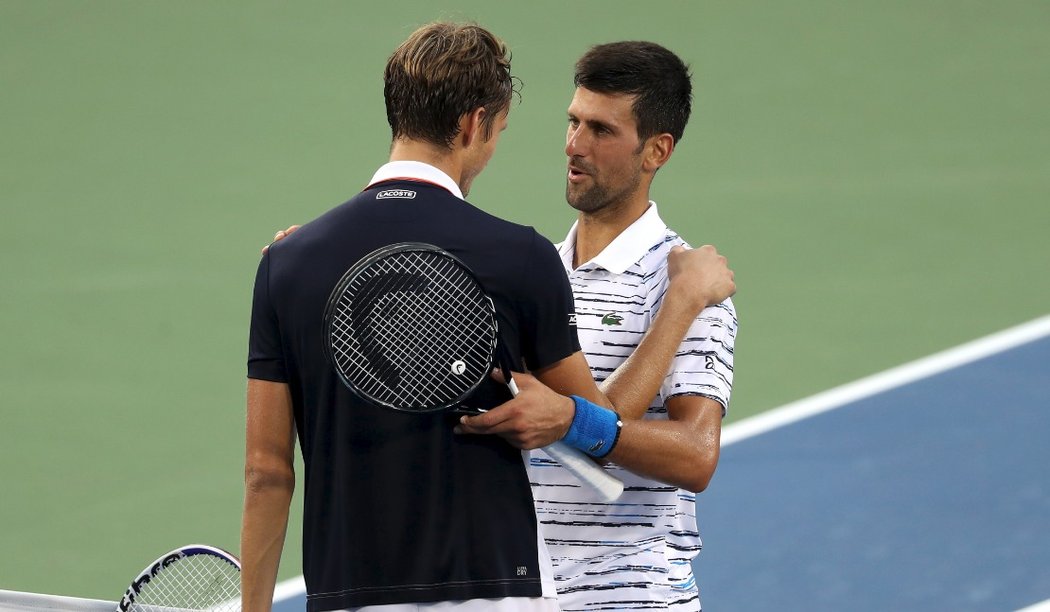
(683,296)
(595,430)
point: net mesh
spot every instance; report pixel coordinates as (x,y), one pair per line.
(17,600)
(412,330)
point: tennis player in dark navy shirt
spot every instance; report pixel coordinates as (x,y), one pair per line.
(399,509)
(423,514)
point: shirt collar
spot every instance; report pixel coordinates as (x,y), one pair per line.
(415,171)
(626,249)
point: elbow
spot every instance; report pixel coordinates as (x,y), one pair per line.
(698,483)
(268,476)
(701,472)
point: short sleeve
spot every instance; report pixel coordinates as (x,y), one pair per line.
(548,313)
(704,362)
(265,352)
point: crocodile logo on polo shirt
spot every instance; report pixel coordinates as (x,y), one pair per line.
(612,319)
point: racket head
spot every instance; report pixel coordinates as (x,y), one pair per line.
(409,327)
(193,577)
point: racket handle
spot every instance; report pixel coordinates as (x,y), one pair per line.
(607,486)
(586,470)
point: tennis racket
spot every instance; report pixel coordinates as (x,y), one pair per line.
(195,577)
(409,327)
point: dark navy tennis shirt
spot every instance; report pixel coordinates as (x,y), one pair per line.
(397,507)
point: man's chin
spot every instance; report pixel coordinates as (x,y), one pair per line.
(586,205)
(572,200)
(577,198)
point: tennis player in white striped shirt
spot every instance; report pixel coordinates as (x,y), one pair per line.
(628,113)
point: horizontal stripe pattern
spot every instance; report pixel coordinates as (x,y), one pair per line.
(634,553)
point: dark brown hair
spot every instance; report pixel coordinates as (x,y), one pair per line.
(658,78)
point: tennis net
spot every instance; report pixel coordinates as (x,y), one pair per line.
(17,600)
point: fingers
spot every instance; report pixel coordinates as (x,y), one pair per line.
(523,421)
(285,232)
(491,422)
(700,277)
(280,235)
(498,419)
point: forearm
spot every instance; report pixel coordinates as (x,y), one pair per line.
(632,387)
(681,450)
(667,451)
(265,520)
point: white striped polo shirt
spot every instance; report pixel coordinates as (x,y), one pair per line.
(634,553)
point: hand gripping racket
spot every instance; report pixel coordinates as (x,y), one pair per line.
(195,577)
(409,327)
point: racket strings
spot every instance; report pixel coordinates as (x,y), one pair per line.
(197,582)
(413,330)
(432,328)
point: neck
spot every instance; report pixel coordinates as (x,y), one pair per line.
(441,158)
(597,229)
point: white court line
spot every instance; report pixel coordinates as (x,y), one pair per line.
(883,381)
(839,396)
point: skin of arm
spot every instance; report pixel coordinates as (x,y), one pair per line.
(688,441)
(697,278)
(690,438)
(683,450)
(269,479)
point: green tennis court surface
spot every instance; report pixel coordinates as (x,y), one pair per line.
(878,174)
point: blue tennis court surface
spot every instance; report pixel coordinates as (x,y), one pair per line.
(934,495)
(931,494)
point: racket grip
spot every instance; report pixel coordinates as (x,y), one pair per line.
(586,470)
(579,464)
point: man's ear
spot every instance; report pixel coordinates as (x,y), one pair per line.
(657,151)
(471,127)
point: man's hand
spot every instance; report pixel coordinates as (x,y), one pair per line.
(699,277)
(537,417)
(281,235)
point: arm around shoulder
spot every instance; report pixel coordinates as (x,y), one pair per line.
(697,278)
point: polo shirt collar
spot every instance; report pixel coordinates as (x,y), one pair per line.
(626,249)
(415,171)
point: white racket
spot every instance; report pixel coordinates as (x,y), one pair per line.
(195,577)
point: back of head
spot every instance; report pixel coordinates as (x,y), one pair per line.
(442,72)
(658,78)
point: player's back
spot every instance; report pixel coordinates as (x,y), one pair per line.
(373,474)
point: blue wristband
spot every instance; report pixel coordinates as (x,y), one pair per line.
(594,430)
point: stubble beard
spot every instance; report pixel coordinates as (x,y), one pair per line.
(598,197)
